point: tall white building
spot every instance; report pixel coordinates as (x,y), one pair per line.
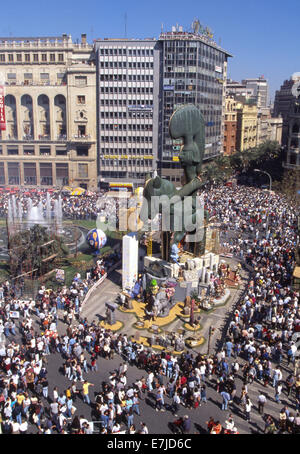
(128,108)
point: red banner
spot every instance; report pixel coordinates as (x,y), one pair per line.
(2,109)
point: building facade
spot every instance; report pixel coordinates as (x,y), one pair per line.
(246,136)
(50,112)
(230,126)
(260,89)
(263,125)
(128,86)
(284,105)
(276,129)
(194,70)
(239,90)
(287,104)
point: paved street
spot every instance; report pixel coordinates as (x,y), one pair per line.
(159,422)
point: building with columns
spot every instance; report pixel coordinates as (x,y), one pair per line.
(50,112)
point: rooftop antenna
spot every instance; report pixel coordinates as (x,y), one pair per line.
(162,27)
(125,24)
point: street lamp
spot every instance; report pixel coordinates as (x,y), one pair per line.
(210,332)
(270,188)
(263,171)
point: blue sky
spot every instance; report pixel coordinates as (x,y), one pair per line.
(262,35)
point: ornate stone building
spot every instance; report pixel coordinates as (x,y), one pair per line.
(50,109)
(230,125)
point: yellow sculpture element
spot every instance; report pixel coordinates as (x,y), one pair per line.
(115,327)
(139,309)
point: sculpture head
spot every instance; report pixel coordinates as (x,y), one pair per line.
(187,123)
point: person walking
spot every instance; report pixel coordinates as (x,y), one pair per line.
(226,398)
(175,404)
(85,391)
(261,403)
(278,390)
(248,407)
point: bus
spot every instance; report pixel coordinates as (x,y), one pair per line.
(121,187)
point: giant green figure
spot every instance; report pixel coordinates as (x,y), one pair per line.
(186,123)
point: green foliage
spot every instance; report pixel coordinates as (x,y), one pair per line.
(266,156)
(28,248)
(290,185)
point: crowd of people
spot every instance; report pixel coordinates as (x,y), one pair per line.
(260,229)
(86,206)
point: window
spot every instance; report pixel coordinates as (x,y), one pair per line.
(52,57)
(30,173)
(45,151)
(44,77)
(46,174)
(60,57)
(27,57)
(2,57)
(62,174)
(61,152)
(27,78)
(13,171)
(61,78)
(80,81)
(82,170)
(10,57)
(81,99)
(2,175)
(44,57)
(12,151)
(81,130)
(82,151)
(28,151)
(11,76)
(19,57)
(35,57)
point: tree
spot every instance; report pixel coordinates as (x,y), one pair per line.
(28,248)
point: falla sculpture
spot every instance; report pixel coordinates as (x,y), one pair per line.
(186,123)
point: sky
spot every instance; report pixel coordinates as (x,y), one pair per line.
(262,35)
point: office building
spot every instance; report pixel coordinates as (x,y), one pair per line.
(194,70)
(128,84)
(260,89)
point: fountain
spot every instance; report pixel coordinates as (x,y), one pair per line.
(35,215)
(48,208)
(44,214)
(20,211)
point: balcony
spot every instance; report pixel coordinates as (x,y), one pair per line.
(39,84)
(81,137)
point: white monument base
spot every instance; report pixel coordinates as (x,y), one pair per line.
(130,249)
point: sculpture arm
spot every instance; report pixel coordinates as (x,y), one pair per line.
(190,188)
